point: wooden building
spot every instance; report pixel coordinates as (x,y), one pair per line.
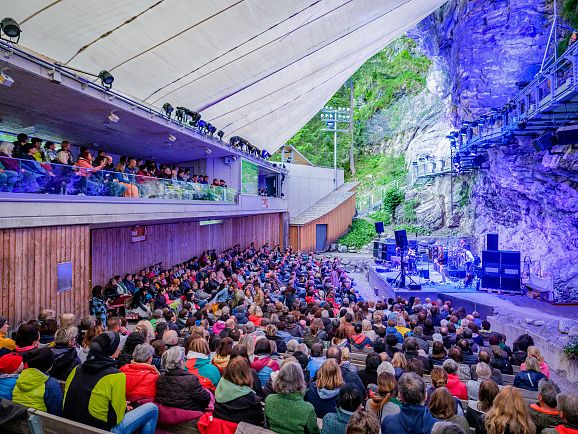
(325,221)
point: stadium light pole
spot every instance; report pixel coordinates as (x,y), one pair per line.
(333,117)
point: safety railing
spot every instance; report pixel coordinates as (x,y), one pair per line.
(373,199)
(427,168)
(555,85)
(31,176)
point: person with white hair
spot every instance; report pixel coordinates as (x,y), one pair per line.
(483,372)
(141,375)
(289,386)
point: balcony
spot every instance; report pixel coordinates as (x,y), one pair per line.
(43,194)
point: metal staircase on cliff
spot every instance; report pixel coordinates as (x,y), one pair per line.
(542,106)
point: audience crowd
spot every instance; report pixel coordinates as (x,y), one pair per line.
(29,166)
(282,340)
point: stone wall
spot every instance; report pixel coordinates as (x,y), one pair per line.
(480,49)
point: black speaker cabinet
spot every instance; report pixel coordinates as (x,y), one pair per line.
(492,241)
(401,239)
(379,227)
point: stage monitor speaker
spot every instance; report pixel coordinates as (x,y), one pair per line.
(400,238)
(379,227)
(510,283)
(492,241)
(510,257)
(414,287)
(491,282)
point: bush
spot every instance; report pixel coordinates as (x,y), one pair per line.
(392,199)
(571,349)
(412,229)
(381,216)
(360,233)
(409,214)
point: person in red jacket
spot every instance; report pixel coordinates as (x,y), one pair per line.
(141,375)
(454,385)
(568,407)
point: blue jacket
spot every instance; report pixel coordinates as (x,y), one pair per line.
(393,331)
(314,364)
(7,383)
(528,380)
(336,423)
(412,419)
(323,400)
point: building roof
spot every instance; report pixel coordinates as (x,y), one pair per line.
(299,157)
(325,205)
(253,68)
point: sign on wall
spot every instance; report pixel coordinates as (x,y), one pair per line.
(138,234)
(64,276)
(249,178)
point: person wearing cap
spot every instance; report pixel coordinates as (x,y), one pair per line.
(10,367)
(95,392)
(35,388)
(4,341)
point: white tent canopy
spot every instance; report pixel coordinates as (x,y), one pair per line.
(259,69)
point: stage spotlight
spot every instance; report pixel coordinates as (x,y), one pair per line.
(10,28)
(220,135)
(201,126)
(113,117)
(211,129)
(106,78)
(474,124)
(522,125)
(180,114)
(168,109)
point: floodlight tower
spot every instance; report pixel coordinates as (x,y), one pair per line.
(333,117)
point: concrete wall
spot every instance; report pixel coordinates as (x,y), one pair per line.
(305,185)
(216,168)
(553,353)
(28,210)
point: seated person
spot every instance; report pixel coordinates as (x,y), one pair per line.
(568,408)
(530,377)
(34,387)
(10,367)
(349,401)
(179,388)
(95,392)
(141,375)
(414,417)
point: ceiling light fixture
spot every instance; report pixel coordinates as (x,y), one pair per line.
(10,28)
(172,138)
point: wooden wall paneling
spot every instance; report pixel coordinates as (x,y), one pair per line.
(28,275)
(337,221)
(113,253)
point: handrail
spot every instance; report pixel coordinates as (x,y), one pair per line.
(32,176)
(366,202)
(548,87)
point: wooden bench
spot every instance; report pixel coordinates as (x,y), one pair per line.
(508,379)
(40,422)
(247,428)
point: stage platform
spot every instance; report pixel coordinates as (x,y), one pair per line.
(468,298)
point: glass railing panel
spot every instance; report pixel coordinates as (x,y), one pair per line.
(31,176)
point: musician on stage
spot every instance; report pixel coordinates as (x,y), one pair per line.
(469,263)
(412,257)
(441,261)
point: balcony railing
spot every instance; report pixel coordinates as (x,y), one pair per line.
(30,176)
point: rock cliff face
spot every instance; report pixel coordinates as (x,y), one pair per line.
(480,50)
